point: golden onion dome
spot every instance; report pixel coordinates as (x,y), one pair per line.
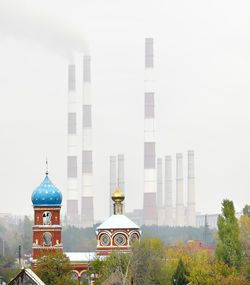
(118,195)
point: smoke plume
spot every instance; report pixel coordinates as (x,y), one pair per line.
(20,21)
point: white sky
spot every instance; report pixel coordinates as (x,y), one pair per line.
(202,60)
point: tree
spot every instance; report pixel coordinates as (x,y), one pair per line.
(116,262)
(179,277)
(148,262)
(245,241)
(229,248)
(246,211)
(54,268)
(8,268)
(96,268)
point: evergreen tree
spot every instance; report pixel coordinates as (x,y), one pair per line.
(179,277)
(229,248)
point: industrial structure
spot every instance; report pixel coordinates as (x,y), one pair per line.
(191,191)
(168,192)
(179,191)
(80,140)
(72,156)
(112,180)
(87,208)
(160,207)
(149,198)
(116,176)
(158,196)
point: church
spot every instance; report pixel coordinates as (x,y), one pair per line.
(116,233)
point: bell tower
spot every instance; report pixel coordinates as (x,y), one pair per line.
(46,199)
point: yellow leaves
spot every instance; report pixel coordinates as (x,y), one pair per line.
(245,232)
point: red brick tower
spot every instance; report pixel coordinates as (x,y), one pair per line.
(46,200)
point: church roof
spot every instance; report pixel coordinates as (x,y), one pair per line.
(81,256)
(117,222)
(46,194)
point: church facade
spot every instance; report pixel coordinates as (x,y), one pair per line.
(116,233)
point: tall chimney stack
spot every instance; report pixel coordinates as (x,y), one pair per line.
(87,210)
(160,208)
(179,191)
(191,190)
(112,181)
(72,178)
(159,184)
(149,199)
(121,175)
(168,191)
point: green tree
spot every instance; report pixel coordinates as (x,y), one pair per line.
(54,268)
(116,262)
(246,211)
(148,262)
(96,268)
(179,277)
(245,241)
(8,268)
(229,248)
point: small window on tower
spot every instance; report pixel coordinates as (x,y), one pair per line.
(47,218)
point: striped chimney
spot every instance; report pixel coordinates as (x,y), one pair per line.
(149,199)
(160,208)
(179,191)
(168,191)
(191,190)
(72,184)
(87,210)
(159,183)
(121,176)
(112,181)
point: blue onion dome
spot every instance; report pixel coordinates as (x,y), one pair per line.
(46,194)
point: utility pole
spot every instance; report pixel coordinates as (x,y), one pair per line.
(206,231)
(3,248)
(19,254)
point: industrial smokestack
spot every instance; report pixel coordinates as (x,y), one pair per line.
(160,208)
(191,190)
(149,199)
(168,191)
(179,191)
(121,175)
(87,210)
(72,202)
(159,183)
(112,181)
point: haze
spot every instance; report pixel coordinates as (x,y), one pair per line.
(202,71)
